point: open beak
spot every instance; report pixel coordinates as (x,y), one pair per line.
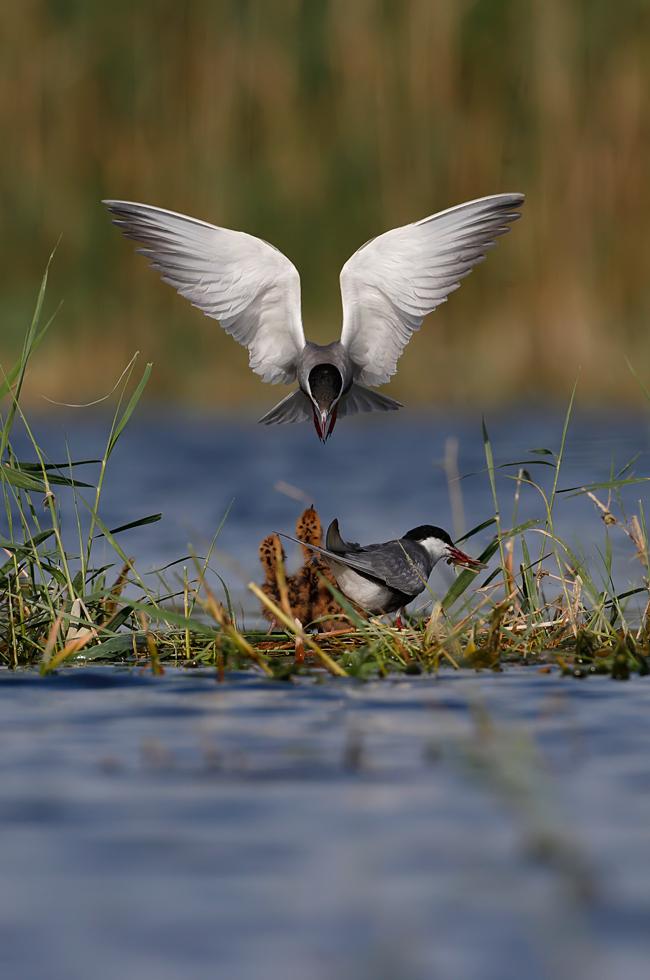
(324,423)
(457,557)
(320,424)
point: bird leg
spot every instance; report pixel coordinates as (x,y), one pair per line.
(299,656)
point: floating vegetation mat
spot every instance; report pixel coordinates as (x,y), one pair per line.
(539,601)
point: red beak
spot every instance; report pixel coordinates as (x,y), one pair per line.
(321,420)
(457,557)
(318,425)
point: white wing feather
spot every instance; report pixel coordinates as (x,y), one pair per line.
(390,284)
(249,286)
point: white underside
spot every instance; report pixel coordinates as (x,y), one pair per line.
(371,596)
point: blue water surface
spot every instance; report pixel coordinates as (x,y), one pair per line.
(471,827)
(481,827)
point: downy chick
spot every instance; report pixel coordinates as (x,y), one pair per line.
(270,553)
(312,596)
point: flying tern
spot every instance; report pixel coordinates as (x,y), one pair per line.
(387,287)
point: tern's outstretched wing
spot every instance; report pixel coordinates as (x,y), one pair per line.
(390,284)
(250,287)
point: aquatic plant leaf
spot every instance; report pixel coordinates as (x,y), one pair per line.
(560,455)
(475,530)
(156,613)
(121,644)
(36,471)
(529,587)
(467,576)
(65,481)
(150,519)
(31,338)
(605,485)
(626,595)
(27,547)
(24,481)
(129,410)
(170,564)
(526,462)
(118,619)
(39,467)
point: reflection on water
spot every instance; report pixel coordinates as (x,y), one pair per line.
(489,827)
(379,475)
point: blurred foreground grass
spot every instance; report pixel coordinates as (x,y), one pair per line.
(317,125)
(58,607)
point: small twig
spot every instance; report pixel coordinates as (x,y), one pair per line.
(281,616)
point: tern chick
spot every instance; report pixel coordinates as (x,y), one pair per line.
(271,554)
(383,578)
(309,598)
(308,590)
(388,287)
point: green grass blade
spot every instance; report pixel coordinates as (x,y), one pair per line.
(151,519)
(489,459)
(24,481)
(28,347)
(129,410)
(476,530)
(560,455)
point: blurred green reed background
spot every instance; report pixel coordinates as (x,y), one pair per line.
(317,124)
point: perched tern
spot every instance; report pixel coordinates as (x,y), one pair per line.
(383,578)
(388,286)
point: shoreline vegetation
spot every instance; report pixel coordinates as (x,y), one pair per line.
(546,608)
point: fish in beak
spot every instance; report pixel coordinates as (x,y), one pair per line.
(457,557)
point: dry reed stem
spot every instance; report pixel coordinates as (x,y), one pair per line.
(636,535)
(291,624)
(52,637)
(110,602)
(156,667)
(219,614)
(69,650)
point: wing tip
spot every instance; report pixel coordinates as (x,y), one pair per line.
(493,204)
(115,206)
(516,198)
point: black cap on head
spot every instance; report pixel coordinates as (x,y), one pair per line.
(428,531)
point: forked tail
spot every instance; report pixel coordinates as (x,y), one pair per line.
(360,399)
(294,408)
